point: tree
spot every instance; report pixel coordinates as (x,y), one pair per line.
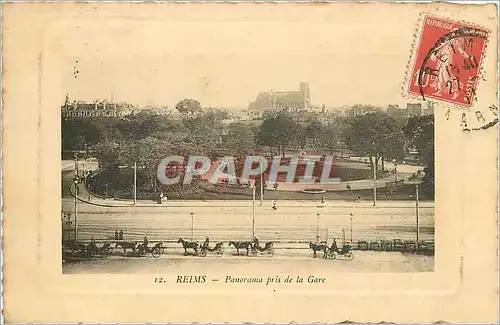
(330,135)
(240,138)
(266,135)
(286,131)
(202,133)
(143,124)
(217,113)
(301,136)
(313,131)
(188,106)
(77,134)
(278,131)
(375,135)
(420,134)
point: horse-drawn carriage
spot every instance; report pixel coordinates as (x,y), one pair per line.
(139,250)
(267,250)
(79,249)
(333,251)
(218,249)
(202,250)
(254,247)
(345,253)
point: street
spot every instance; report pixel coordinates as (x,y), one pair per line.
(291,226)
(283,262)
(232,220)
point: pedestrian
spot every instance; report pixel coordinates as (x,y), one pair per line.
(205,244)
(92,248)
(144,246)
(116,235)
(323,199)
(120,235)
(274,205)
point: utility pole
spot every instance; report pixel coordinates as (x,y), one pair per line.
(253,211)
(135,183)
(416,208)
(351,226)
(75,182)
(192,226)
(76,209)
(261,186)
(76,164)
(375,181)
(317,226)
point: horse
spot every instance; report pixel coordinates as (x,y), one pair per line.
(241,244)
(77,247)
(106,249)
(127,245)
(318,247)
(187,244)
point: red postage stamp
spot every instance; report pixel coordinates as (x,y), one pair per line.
(447,61)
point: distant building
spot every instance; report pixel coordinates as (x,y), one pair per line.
(292,101)
(430,109)
(414,109)
(411,109)
(96,108)
(360,110)
(396,112)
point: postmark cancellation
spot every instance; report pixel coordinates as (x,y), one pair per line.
(445,64)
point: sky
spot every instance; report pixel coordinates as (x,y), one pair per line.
(227,64)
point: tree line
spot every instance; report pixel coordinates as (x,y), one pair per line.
(146,138)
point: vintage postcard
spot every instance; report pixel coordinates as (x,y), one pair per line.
(244,162)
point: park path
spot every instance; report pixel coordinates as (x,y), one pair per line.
(404,173)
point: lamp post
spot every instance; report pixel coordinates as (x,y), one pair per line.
(253,211)
(76,163)
(262,185)
(317,226)
(75,182)
(351,225)
(374,184)
(192,226)
(135,183)
(417,212)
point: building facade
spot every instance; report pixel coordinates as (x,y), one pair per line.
(83,109)
(292,101)
(411,109)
